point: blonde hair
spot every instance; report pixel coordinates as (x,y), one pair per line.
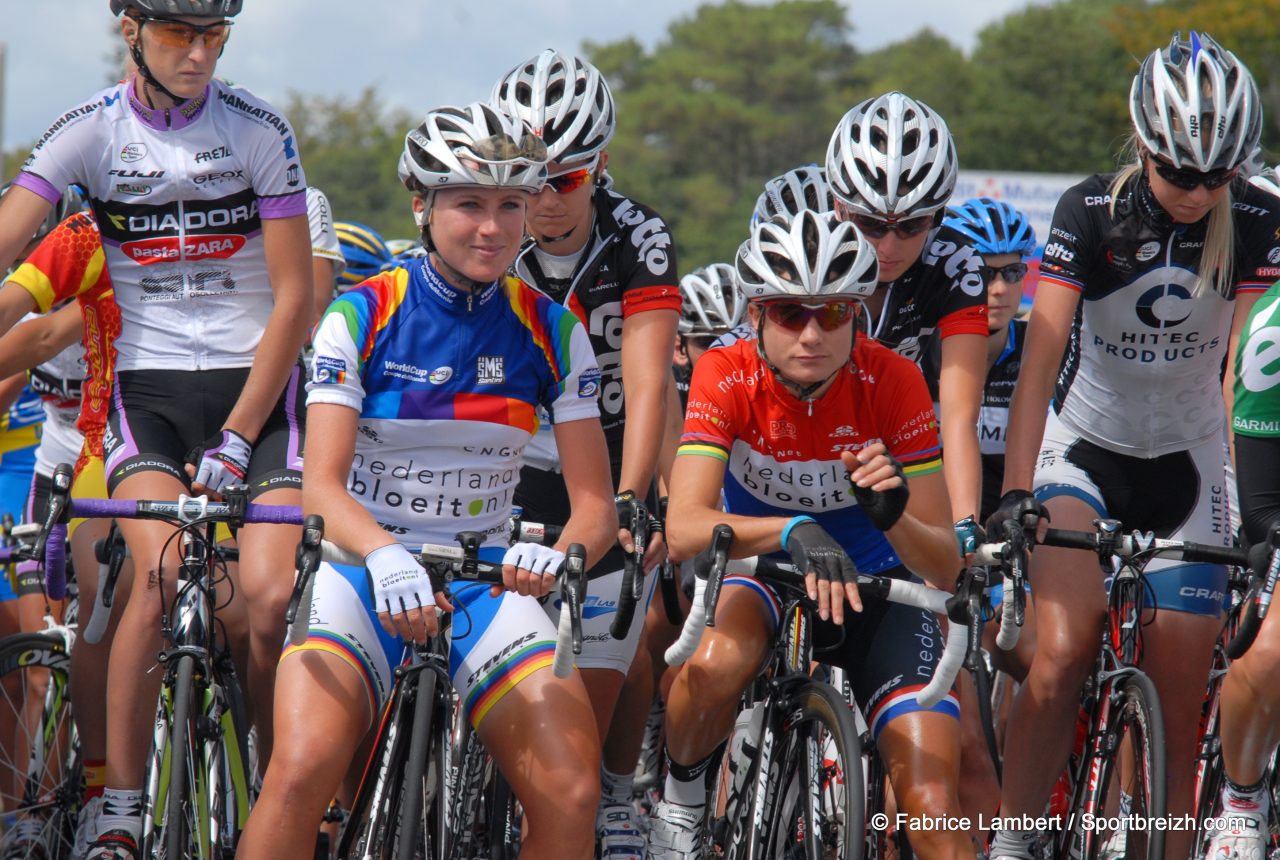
(1217,258)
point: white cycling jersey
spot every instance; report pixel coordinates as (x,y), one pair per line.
(179,196)
(59,381)
(324,238)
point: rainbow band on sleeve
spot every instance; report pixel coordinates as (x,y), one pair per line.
(504,677)
(1060,280)
(923,462)
(703,447)
(549,328)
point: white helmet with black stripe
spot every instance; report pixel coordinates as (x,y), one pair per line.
(802,188)
(892,157)
(711,301)
(565,100)
(1195,105)
(812,257)
(476,145)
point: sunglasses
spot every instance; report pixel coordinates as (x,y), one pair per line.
(794,316)
(179,34)
(875,228)
(563,183)
(1188,180)
(1011,273)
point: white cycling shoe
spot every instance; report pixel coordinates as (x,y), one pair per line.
(675,832)
(1243,838)
(617,832)
(86,827)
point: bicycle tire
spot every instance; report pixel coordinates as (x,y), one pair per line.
(41,781)
(369,828)
(176,826)
(422,825)
(815,811)
(1138,725)
(983,683)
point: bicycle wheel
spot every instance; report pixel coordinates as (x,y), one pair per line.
(40,766)
(1209,771)
(422,807)
(370,827)
(816,809)
(1131,776)
(178,825)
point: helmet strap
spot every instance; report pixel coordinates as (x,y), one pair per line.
(149,80)
(802,391)
(452,275)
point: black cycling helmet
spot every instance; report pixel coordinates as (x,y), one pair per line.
(174,8)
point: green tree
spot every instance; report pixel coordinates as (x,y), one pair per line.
(350,149)
(926,67)
(735,94)
(1050,87)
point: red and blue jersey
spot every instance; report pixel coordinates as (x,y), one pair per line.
(783,454)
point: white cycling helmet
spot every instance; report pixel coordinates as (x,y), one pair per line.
(1268,180)
(1196,106)
(566,101)
(473,145)
(802,188)
(814,257)
(711,301)
(892,157)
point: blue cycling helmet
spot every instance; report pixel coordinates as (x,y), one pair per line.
(994,226)
(365,252)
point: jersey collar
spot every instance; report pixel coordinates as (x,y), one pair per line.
(171,119)
(450,297)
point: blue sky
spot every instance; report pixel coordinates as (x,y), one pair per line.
(418,53)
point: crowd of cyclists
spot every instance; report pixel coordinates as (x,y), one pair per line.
(853,391)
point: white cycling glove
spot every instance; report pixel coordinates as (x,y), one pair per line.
(223,460)
(397,580)
(535,558)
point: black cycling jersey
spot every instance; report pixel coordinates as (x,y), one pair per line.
(627,267)
(940,295)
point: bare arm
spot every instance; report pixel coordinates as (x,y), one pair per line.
(288,248)
(331,446)
(670,438)
(36,341)
(1047,333)
(1243,306)
(593,520)
(15,303)
(322,281)
(647,339)
(960,381)
(694,510)
(21,212)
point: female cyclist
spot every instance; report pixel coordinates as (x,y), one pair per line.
(422,397)
(777,404)
(1147,278)
(610,260)
(199,194)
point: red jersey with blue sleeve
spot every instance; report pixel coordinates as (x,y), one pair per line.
(447,386)
(783,458)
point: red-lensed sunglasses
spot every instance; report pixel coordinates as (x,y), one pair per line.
(794,316)
(573,180)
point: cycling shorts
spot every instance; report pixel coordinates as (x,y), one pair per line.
(156,417)
(599,649)
(1181,495)
(889,650)
(496,642)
